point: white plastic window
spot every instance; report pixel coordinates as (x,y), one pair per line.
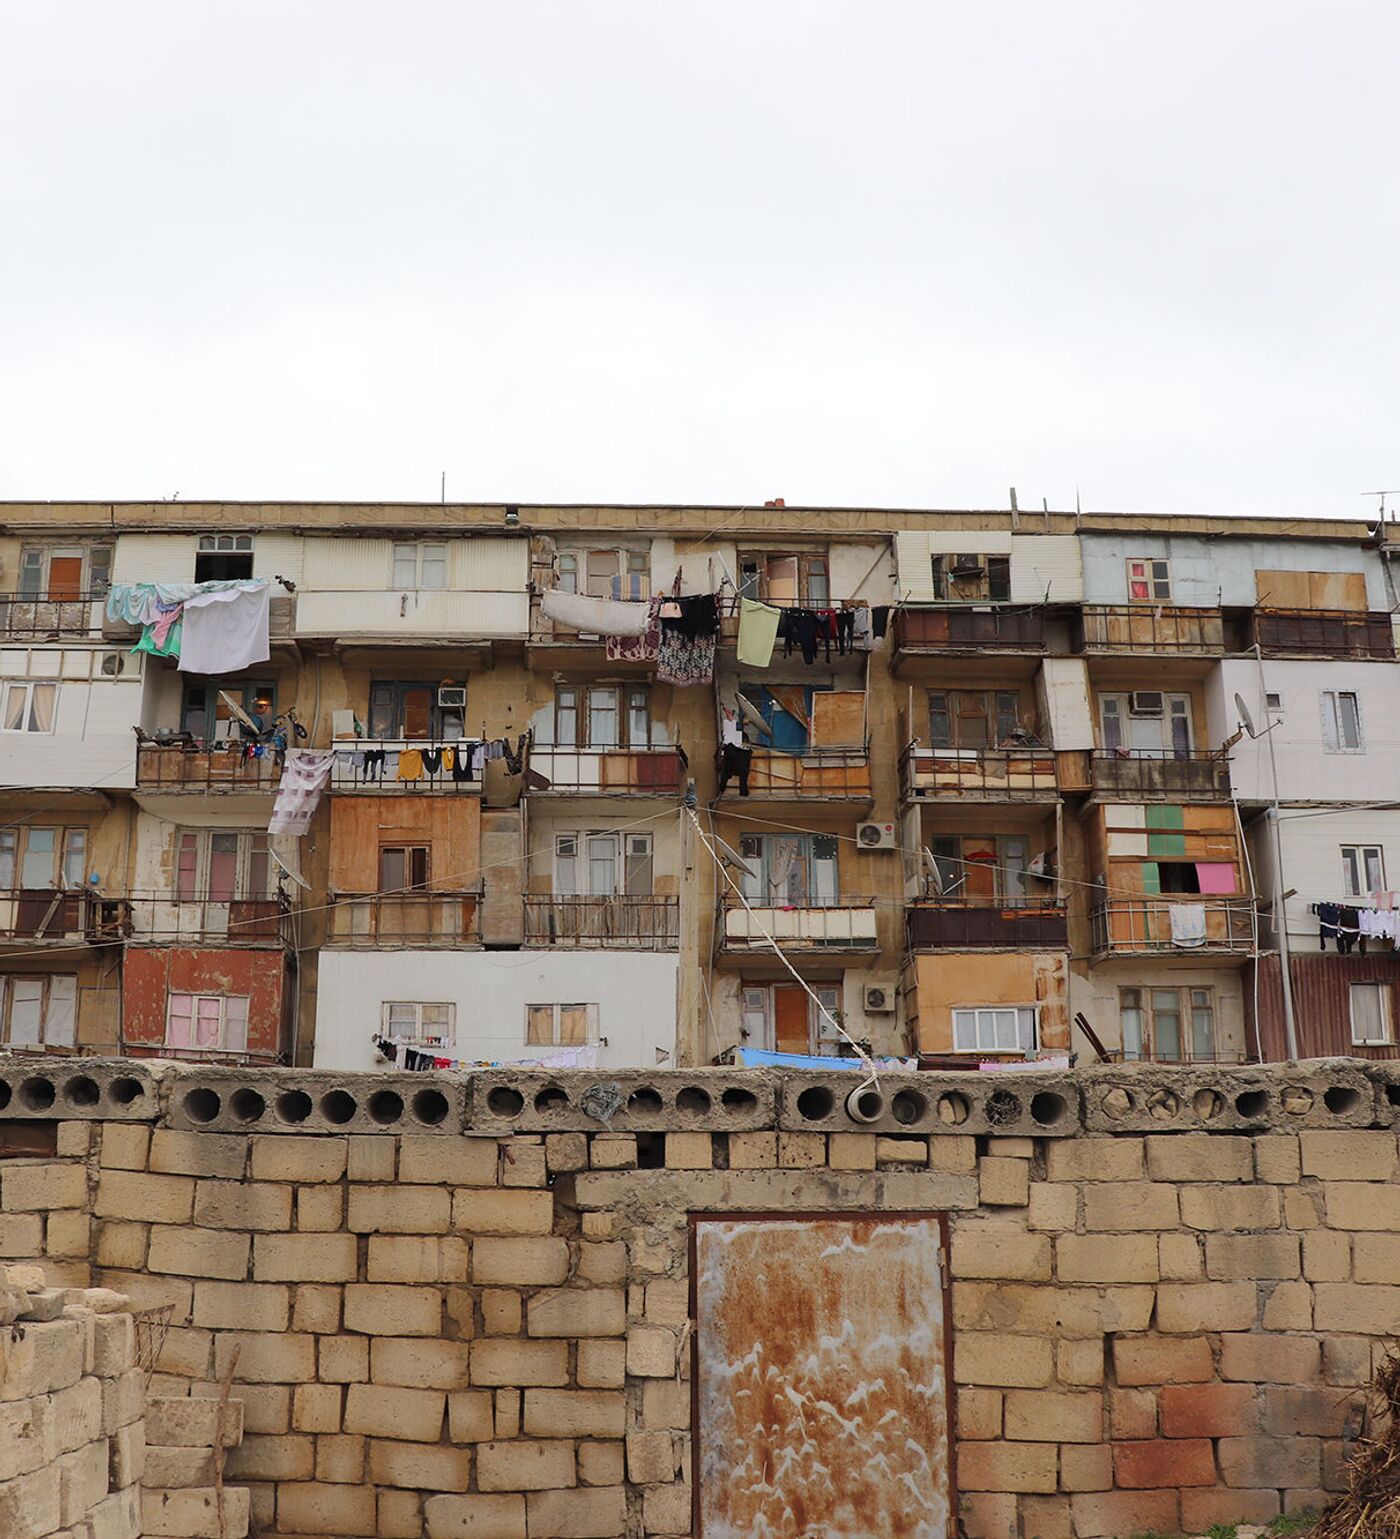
(995,1029)
(1341,721)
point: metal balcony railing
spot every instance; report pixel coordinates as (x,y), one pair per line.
(183,764)
(1168,773)
(938,924)
(837,924)
(54,914)
(1150,628)
(624,923)
(373,764)
(606,771)
(953,629)
(1322,633)
(405,920)
(209,921)
(979,774)
(1181,926)
(817,774)
(77,614)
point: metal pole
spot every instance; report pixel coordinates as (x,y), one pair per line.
(1280,918)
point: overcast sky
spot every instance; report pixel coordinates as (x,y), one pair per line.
(867,253)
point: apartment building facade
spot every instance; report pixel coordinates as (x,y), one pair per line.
(1040,786)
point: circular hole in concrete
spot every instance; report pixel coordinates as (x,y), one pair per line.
(814,1103)
(1163,1105)
(1341,1099)
(124,1090)
(646,1101)
(954,1107)
(1048,1107)
(1116,1103)
(385,1106)
(1296,1100)
(551,1099)
(36,1094)
(694,1101)
(1003,1109)
(247,1105)
(4,1093)
(81,1091)
(908,1107)
(430,1107)
(338,1106)
(294,1106)
(736,1101)
(202,1104)
(1252,1103)
(865,1105)
(502,1101)
(1207,1104)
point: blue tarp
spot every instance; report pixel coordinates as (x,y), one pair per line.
(757,1058)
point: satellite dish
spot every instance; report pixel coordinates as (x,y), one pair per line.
(935,876)
(1246,720)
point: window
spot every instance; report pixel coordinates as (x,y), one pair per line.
(403,867)
(1149,580)
(412,711)
(206,715)
(1363,870)
(998,1029)
(605,716)
(602,865)
(1273,703)
(39,1010)
(207,1022)
(430,1024)
(799,870)
(28,707)
(419,565)
(969,578)
(39,857)
(560,1025)
(221,867)
(786,579)
(981,868)
(223,558)
(1169,1025)
(972,718)
(64,572)
(1370,1014)
(1146,724)
(1341,721)
(610,573)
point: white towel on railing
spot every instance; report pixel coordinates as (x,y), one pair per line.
(304,777)
(595,616)
(1188,924)
(226,629)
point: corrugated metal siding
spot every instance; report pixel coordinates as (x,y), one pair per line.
(348,565)
(170,557)
(1065,682)
(1046,565)
(913,550)
(490,565)
(1321,1004)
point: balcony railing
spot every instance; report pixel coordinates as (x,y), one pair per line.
(188,766)
(78,614)
(839,925)
(949,925)
(979,774)
(1322,633)
(1181,926)
(934,629)
(820,773)
(405,920)
(1151,628)
(374,764)
(49,914)
(1169,773)
(606,771)
(627,923)
(209,921)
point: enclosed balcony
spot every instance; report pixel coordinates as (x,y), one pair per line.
(603,923)
(819,774)
(1182,927)
(52,916)
(165,920)
(179,762)
(411,766)
(933,630)
(840,927)
(1170,774)
(947,924)
(979,774)
(605,771)
(405,920)
(1150,628)
(1323,633)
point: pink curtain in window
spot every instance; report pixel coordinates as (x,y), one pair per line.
(1216,876)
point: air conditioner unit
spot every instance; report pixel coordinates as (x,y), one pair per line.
(875,836)
(879,998)
(1145,702)
(113,664)
(452,697)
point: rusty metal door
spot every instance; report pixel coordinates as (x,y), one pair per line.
(821,1377)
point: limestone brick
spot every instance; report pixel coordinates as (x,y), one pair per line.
(666,1509)
(988,1514)
(406,1415)
(567,1152)
(1094,1159)
(992,1250)
(601,1464)
(602,1261)
(1230,1207)
(198,1154)
(1349,1154)
(651,1458)
(475,1517)
(1375,1258)
(483,1211)
(257,1205)
(1044,1416)
(1179,1257)
(501,1311)
(1086,1467)
(1200,1157)
(340,1460)
(888,1151)
(120,1245)
(317,1407)
(668,1301)
(1162,1360)
(241,1306)
(1360,1308)
(1312,1410)
(523,1164)
(41,1187)
(470,1416)
(1202,1509)
(399,1210)
(389,1309)
(1276,1158)
(185,1422)
(21,1235)
(508,1403)
(1270,1359)
(1106,1514)
(282,1157)
(1119,1258)
(851,1151)
(978,1413)
(651,1352)
(498,1361)
(1260,1462)
(578,1312)
(1288,1307)
(324,1258)
(74,1140)
(1130,1205)
(420,1466)
(272,1458)
(1363,1205)
(1157,1462)
(371,1158)
(563,1413)
(521,1465)
(1302,1210)
(414,1361)
(796,1151)
(602,1364)
(66,1234)
(320,1209)
(286,1359)
(1210,1306)
(199,1253)
(448,1161)
(343,1359)
(1346,1360)
(1003,1183)
(597,1514)
(127,1452)
(198,1513)
(311,1507)
(1327,1255)
(984,1357)
(402,1258)
(1052,1205)
(151,1199)
(1050,1309)
(1079,1362)
(125,1146)
(1008,1467)
(1232,1256)
(525,1262)
(1207,1410)
(666,1404)
(613,1151)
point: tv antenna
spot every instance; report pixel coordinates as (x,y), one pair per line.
(1392,491)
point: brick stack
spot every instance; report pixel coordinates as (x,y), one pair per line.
(181,1493)
(71,1405)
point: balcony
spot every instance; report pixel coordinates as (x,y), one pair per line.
(424,616)
(183,765)
(78,615)
(405,921)
(818,774)
(937,630)
(1171,774)
(842,928)
(1137,628)
(156,918)
(606,771)
(359,767)
(939,924)
(1134,926)
(48,915)
(1323,633)
(623,923)
(979,774)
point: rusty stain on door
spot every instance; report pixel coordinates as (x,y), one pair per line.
(821,1394)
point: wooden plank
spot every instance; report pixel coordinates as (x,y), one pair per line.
(838,719)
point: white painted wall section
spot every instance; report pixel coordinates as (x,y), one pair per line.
(92,742)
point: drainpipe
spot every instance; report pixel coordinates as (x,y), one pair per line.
(1280,918)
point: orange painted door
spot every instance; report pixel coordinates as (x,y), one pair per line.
(65,577)
(790,1019)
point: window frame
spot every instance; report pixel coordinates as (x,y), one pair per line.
(421,1036)
(632,706)
(70,840)
(416,552)
(252,843)
(627,848)
(822,868)
(29,688)
(45,1038)
(1333,724)
(1385,996)
(443,721)
(1017,1011)
(416,857)
(245,691)
(88,583)
(991,576)
(1155,575)
(224,1018)
(812,578)
(1356,865)
(533,1011)
(1177,706)
(630,582)
(992,700)
(224,549)
(1192,999)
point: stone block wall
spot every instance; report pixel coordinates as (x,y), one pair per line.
(478,1330)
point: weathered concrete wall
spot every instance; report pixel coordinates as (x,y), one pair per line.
(465,1300)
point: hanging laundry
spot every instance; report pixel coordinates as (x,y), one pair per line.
(304,777)
(449,759)
(168,647)
(637,649)
(1188,921)
(860,631)
(432,761)
(758,630)
(462,757)
(683,660)
(595,616)
(697,616)
(801,628)
(845,631)
(372,764)
(1327,916)
(879,619)
(226,630)
(410,764)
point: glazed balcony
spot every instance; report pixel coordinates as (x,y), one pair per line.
(1322,633)
(178,762)
(946,924)
(604,923)
(606,771)
(1154,628)
(159,919)
(416,617)
(1137,926)
(405,920)
(934,630)
(358,767)
(979,774)
(841,927)
(1172,775)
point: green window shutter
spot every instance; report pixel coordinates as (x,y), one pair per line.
(1151,877)
(1166,844)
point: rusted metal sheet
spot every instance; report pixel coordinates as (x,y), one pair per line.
(821,1378)
(1322,1004)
